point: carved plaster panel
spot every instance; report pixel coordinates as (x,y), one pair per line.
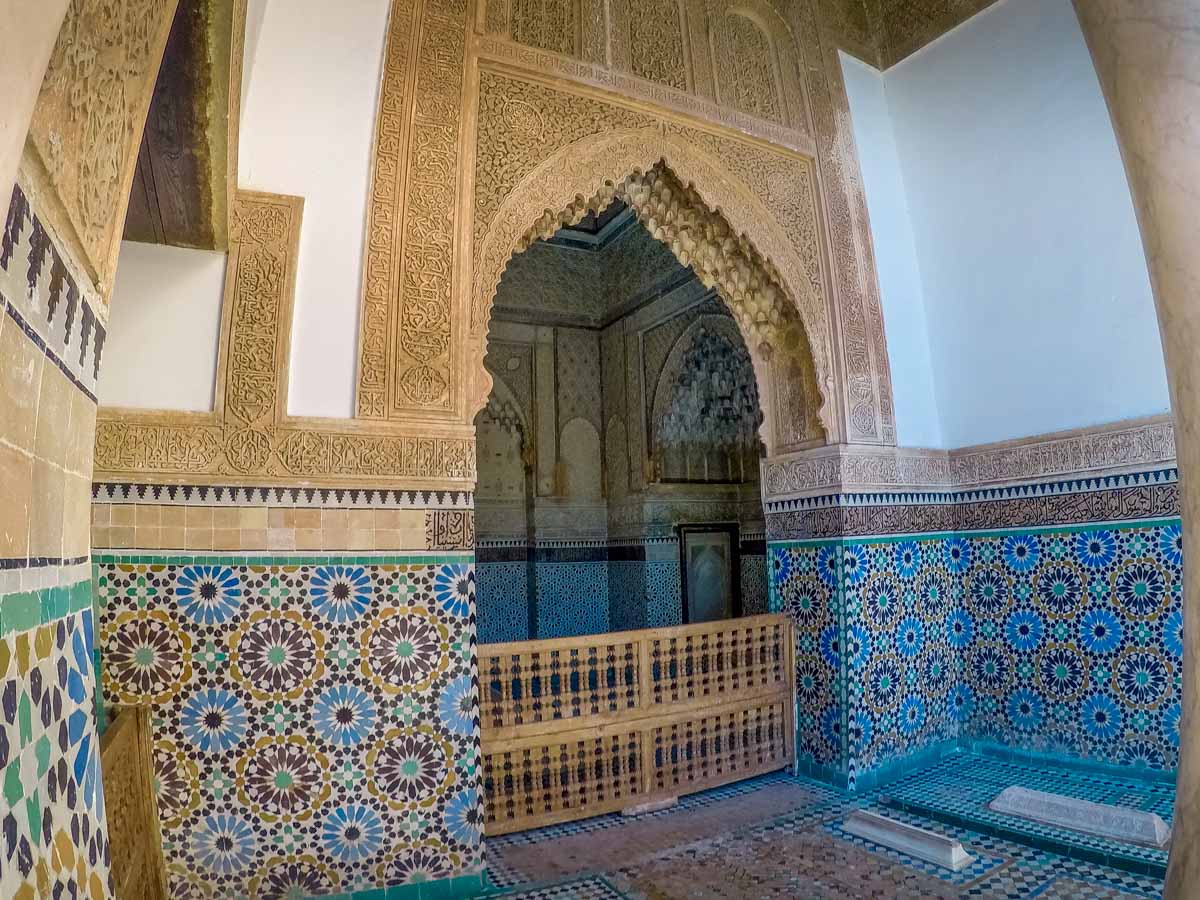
(537,139)
(248,438)
(865,378)
(88,122)
(656,48)
(537,169)
(699,105)
(407,351)
(746,67)
(1108,450)
(545,24)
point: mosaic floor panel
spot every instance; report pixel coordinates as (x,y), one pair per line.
(959,788)
(778,837)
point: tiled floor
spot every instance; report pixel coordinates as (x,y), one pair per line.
(779,837)
(957,791)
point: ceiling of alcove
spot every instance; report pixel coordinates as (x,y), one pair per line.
(588,275)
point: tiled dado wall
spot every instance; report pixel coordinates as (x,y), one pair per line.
(594,589)
(53,839)
(316,727)
(1059,634)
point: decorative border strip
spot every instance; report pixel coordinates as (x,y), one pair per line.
(1117,448)
(947,534)
(38,562)
(31,333)
(499,50)
(1152,496)
(273,557)
(43,293)
(45,574)
(301,497)
(31,609)
(953,497)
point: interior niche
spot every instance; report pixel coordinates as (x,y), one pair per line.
(624,409)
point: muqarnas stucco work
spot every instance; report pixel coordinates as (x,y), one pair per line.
(1063,641)
(52,837)
(316,720)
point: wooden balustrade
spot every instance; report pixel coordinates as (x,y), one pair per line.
(135,841)
(575,727)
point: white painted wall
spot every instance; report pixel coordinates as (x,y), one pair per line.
(917,420)
(307,129)
(165,315)
(1038,303)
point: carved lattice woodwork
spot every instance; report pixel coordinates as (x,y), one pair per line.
(575,727)
(87,124)
(134,835)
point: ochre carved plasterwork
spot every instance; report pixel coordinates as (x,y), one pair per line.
(576,116)
(406,352)
(656,42)
(865,382)
(745,67)
(546,24)
(547,155)
(88,121)
(1085,453)
(249,438)
(884,32)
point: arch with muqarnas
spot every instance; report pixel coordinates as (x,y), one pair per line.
(583,175)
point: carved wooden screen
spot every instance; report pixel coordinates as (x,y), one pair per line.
(135,841)
(574,727)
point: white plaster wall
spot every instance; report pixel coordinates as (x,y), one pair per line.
(307,129)
(165,315)
(1039,308)
(917,420)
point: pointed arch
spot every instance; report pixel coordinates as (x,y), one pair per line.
(752,262)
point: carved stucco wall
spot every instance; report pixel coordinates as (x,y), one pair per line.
(88,121)
(560,379)
(884,32)
(760,139)
(479,126)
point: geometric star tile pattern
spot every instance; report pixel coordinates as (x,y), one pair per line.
(52,837)
(1061,641)
(316,726)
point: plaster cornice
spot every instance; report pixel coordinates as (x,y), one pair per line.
(1110,449)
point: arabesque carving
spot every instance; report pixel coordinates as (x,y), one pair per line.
(88,121)
(545,129)
(249,438)
(546,24)
(865,384)
(745,67)
(406,349)
(885,32)
(656,42)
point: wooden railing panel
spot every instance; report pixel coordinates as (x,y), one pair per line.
(544,682)
(135,840)
(582,726)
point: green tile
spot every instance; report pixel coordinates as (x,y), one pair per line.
(33,812)
(20,612)
(42,753)
(25,719)
(12,783)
